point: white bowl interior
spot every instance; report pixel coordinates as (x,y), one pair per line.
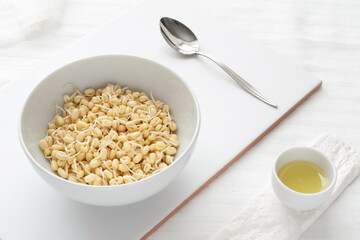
(95,72)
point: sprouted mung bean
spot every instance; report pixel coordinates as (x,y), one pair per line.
(110,136)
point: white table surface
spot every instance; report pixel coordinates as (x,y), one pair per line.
(323,37)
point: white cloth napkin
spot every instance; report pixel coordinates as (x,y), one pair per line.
(19,18)
(265,217)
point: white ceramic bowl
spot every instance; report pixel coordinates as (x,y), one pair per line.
(297,200)
(138,74)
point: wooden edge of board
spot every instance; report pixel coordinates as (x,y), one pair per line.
(231,162)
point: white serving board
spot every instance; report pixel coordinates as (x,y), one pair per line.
(232,121)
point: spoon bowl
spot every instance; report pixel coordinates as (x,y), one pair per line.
(179,36)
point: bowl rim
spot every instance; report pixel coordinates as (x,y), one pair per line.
(305,148)
(92,58)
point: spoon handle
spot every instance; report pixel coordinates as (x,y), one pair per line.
(244,84)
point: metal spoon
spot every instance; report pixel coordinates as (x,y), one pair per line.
(183,40)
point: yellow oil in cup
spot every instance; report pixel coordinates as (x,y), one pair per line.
(303,176)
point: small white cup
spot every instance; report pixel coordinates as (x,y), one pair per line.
(294,199)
